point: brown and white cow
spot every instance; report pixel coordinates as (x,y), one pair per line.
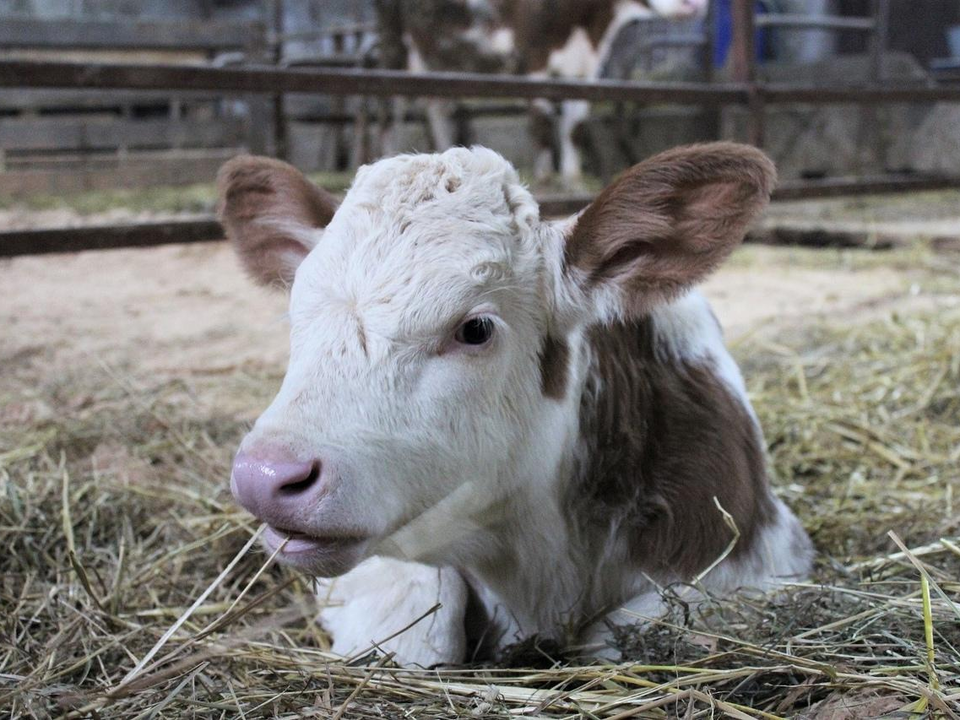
(537,38)
(533,422)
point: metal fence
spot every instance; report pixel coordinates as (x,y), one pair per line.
(56,139)
(746,90)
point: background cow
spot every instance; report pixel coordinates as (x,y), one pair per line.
(542,413)
(537,38)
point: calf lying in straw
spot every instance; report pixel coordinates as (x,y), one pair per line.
(534,423)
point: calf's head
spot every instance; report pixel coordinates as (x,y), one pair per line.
(426,314)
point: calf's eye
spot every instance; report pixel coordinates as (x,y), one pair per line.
(475,331)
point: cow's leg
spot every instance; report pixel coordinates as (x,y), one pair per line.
(393,126)
(572,114)
(381,604)
(542,134)
(441,124)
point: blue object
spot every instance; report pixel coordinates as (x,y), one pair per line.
(723,32)
(953,40)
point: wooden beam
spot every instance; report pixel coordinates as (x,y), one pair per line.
(270,80)
(111,237)
(742,49)
(107,237)
(30,242)
(144,35)
(559,205)
(814,22)
(24,99)
(743,64)
(330,81)
(852,186)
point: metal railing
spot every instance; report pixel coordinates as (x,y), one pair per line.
(745,91)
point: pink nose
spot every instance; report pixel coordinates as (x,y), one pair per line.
(276,491)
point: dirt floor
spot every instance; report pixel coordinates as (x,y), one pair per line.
(190,308)
(127,377)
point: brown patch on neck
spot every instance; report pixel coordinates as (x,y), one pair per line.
(661,440)
(554,367)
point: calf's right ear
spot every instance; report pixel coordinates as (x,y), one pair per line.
(272,214)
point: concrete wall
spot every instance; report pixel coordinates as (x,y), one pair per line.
(298,14)
(104,9)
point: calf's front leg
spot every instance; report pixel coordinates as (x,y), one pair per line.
(381,603)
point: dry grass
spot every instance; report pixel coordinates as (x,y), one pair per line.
(127,590)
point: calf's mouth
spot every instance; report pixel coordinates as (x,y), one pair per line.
(322,555)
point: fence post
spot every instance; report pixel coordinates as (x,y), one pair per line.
(878,40)
(874,116)
(259,133)
(743,65)
(711,115)
(279,114)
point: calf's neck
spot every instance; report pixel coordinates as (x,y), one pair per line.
(534,423)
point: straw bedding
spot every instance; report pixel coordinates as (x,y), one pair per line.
(128,587)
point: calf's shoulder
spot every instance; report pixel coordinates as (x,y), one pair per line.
(667,439)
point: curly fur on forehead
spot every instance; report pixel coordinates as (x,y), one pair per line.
(467,185)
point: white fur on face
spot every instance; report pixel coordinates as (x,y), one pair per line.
(376,387)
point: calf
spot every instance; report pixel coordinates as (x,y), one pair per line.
(534,422)
(537,38)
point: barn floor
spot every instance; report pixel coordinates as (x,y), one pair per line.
(129,376)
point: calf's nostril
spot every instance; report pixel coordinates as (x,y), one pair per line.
(266,486)
(297,485)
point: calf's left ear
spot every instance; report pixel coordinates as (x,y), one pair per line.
(662,226)
(272,214)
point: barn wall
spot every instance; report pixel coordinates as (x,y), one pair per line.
(916,27)
(805,141)
(103,9)
(116,131)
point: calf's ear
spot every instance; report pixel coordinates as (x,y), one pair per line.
(662,226)
(272,214)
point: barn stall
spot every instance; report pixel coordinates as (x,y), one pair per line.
(132,585)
